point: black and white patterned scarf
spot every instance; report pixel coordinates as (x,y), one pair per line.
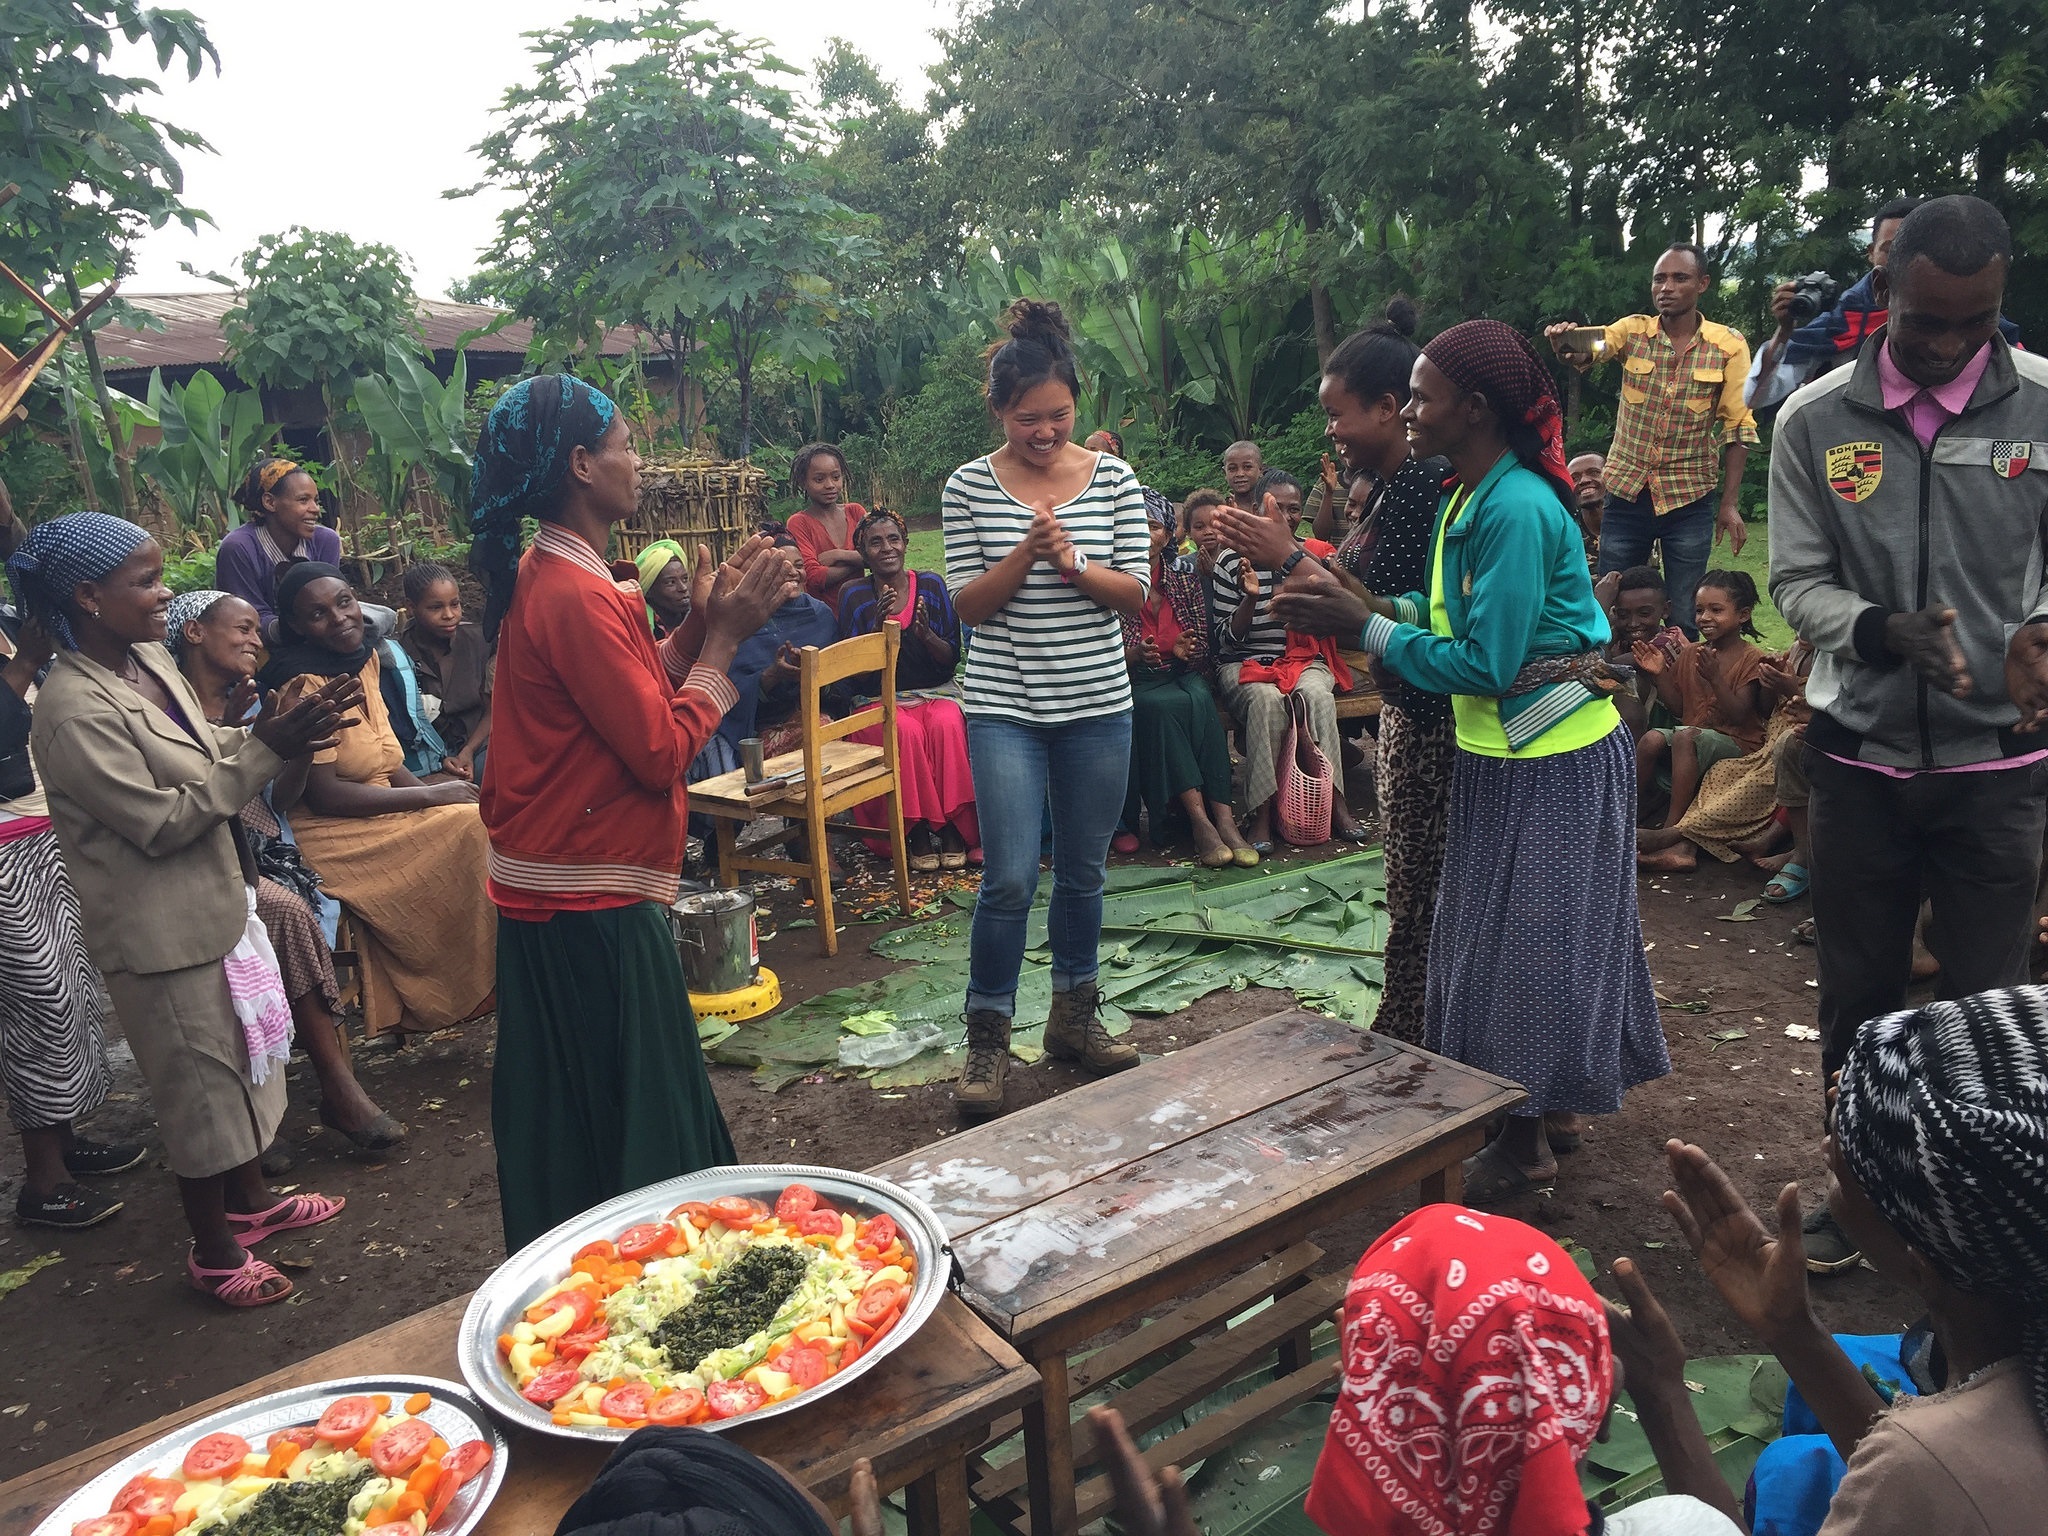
(1943,1119)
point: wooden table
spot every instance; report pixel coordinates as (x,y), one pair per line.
(917,1416)
(1087,1210)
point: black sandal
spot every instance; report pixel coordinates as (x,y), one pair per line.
(380,1135)
(69,1207)
(1492,1178)
(97,1159)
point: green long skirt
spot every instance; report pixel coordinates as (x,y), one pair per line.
(1177,744)
(599,1086)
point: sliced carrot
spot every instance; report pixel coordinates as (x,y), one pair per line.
(419,1402)
(505,1343)
(282,1455)
(383,1402)
(161,1525)
(406,1506)
(436,1449)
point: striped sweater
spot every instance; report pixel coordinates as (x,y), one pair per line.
(583,789)
(1050,654)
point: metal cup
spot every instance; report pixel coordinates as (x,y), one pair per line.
(751,759)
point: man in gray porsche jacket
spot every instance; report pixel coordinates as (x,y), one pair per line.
(1909,526)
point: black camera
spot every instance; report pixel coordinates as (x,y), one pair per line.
(1812,296)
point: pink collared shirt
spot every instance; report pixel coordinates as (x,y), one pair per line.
(1928,410)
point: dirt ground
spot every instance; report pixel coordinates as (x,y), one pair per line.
(114,1335)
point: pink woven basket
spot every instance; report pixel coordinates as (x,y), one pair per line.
(1307,789)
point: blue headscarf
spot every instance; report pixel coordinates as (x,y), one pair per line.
(521,457)
(58,555)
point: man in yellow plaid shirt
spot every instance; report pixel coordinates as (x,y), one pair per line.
(1682,429)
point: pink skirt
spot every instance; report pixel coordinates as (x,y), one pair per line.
(937,783)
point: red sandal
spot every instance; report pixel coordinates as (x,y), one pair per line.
(242,1286)
(289,1214)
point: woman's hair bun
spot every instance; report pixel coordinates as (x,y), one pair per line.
(1402,314)
(1040,321)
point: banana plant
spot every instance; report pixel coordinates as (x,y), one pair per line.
(210,438)
(416,422)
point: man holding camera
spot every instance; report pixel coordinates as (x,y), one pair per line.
(1818,332)
(1681,428)
(1909,511)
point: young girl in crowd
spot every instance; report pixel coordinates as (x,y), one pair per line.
(1713,688)
(283,507)
(936,781)
(1047,545)
(406,858)
(451,665)
(1180,758)
(142,792)
(823,529)
(216,640)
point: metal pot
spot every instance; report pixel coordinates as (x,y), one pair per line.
(718,940)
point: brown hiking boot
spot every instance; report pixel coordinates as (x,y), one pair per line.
(980,1089)
(1074,1033)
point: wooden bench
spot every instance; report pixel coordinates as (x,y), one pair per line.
(1197,1174)
(917,1416)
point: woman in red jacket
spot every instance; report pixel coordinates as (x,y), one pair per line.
(599,1085)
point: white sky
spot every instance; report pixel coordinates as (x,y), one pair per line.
(357,117)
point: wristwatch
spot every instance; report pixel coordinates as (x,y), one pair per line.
(1080,565)
(1287,566)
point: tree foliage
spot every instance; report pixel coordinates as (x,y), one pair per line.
(674,187)
(317,310)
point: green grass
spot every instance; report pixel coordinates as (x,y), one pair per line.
(927,550)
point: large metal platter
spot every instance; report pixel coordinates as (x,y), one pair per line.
(544,1261)
(456,1416)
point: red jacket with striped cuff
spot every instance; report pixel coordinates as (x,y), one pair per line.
(591,736)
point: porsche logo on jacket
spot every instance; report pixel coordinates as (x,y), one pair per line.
(1854,469)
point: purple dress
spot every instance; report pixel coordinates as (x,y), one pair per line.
(248,560)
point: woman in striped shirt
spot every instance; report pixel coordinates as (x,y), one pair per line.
(1045,548)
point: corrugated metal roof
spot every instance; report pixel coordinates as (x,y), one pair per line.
(191,335)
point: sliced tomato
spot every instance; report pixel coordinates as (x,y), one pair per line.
(884,1326)
(399,1449)
(148,1497)
(215,1455)
(302,1436)
(119,1523)
(597,1250)
(444,1495)
(735,1211)
(818,1224)
(552,1384)
(877,1301)
(648,1240)
(574,1346)
(730,1399)
(795,1202)
(693,1211)
(467,1459)
(879,1231)
(851,1352)
(677,1406)
(393,1528)
(804,1365)
(628,1402)
(345,1420)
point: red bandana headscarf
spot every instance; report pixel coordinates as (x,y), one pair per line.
(1476,1372)
(1487,357)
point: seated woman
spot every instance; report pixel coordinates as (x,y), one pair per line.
(1180,758)
(406,858)
(663,572)
(216,639)
(282,507)
(451,668)
(1940,1135)
(1713,687)
(1479,1367)
(936,785)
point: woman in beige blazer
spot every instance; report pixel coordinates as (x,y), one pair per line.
(143,796)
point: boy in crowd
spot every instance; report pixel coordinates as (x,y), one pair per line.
(1243,464)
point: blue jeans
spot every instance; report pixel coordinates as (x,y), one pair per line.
(1086,765)
(1629,528)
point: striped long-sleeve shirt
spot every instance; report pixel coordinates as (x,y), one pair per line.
(1051,654)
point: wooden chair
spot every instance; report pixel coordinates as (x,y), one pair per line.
(828,775)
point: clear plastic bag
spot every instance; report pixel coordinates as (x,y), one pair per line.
(891,1049)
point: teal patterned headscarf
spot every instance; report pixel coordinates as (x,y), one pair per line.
(521,457)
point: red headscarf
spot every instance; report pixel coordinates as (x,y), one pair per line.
(1476,1372)
(1490,358)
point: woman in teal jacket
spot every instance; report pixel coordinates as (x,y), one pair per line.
(1536,968)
